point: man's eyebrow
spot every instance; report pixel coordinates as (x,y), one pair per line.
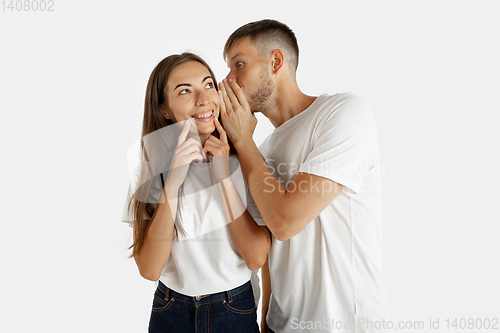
(230,60)
(189,84)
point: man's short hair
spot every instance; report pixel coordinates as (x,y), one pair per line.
(267,36)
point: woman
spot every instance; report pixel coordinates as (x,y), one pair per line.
(200,243)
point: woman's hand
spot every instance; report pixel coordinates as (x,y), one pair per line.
(185,152)
(219,149)
(237,117)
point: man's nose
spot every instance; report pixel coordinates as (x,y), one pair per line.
(231,75)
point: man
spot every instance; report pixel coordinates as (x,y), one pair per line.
(316,183)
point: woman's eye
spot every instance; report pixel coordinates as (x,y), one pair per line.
(209,85)
(239,64)
(183,91)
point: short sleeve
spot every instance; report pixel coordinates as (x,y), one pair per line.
(126,215)
(344,142)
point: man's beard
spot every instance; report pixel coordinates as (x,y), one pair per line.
(259,98)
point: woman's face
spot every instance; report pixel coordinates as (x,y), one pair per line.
(190,93)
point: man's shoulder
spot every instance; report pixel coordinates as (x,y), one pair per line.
(341,105)
(341,100)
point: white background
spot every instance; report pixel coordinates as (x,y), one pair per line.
(72,86)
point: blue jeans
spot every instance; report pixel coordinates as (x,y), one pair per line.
(229,311)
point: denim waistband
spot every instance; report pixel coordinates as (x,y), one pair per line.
(203,299)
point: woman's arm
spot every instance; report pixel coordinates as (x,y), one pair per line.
(266,296)
(251,240)
(158,239)
(159,236)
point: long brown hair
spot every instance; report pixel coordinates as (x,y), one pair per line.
(141,203)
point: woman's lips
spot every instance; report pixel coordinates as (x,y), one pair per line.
(205,119)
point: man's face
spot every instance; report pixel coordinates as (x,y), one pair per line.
(251,72)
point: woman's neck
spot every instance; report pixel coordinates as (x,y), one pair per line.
(203,138)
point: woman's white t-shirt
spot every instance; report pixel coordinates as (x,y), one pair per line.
(204,260)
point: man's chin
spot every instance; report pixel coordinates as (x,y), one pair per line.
(256,109)
(252,106)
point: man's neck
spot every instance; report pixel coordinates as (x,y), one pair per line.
(286,102)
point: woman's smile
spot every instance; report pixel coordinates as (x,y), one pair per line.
(204,116)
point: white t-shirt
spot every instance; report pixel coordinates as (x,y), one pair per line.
(331,270)
(205,260)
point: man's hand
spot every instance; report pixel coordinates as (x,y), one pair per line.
(239,122)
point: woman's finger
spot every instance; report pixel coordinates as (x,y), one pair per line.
(240,94)
(190,149)
(194,156)
(215,151)
(212,150)
(215,143)
(184,133)
(210,144)
(216,148)
(220,129)
(190,142)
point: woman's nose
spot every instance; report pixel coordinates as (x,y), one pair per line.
(202,98)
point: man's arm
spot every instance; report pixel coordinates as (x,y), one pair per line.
(285,211)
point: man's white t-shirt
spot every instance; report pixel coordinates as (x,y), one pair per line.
(204,260)
(328,276)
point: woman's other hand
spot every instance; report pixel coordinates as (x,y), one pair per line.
(219,149)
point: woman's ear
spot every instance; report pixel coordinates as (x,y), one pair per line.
(164,112)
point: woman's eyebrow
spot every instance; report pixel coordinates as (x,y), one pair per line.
(182,84)
(189,84)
